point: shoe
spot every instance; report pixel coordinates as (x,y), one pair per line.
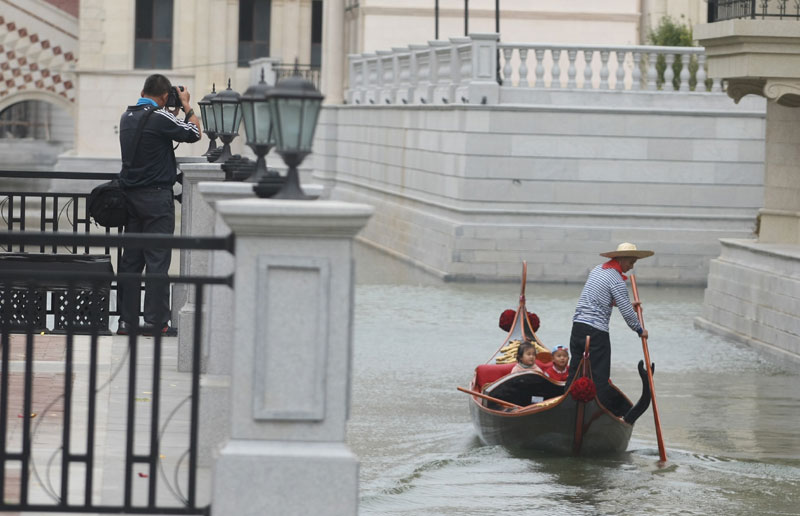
(123,328)
(148,329)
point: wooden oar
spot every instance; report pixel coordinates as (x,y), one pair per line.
(661,451)
(495,400)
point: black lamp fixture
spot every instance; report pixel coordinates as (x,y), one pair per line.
(294,105)
(227,117)
(209,122)
(260,136)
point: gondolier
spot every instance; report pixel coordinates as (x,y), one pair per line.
(604,288)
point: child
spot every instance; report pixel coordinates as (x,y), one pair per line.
(557,370)
(526,359)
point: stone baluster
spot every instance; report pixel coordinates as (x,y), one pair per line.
(652,73)
(349,94)
(465,66)
(555,71)
(403,91)
(686,58)
(539,81)
(523,68)
(620,76)
(716,85)
(483,89)
(455,68)
(415,73)
(507,66)
(371,82)
(441,77)
(571,71)
(385,79)
(604,69)
(292,359)
(701,73)
(422,58)
(636,82)
(588,73)
(669,73)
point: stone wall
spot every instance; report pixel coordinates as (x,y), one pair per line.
(468,191)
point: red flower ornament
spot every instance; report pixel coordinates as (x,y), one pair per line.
(583,389)
(507,319)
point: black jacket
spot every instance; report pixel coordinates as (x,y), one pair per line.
(154,163)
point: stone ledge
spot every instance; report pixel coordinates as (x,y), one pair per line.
(778,353)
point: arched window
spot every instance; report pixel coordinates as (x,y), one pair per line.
(33,120)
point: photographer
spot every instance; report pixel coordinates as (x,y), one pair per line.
(146,136)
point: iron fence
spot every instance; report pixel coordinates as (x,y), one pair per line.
(720,10)
(57,430)
(52,216)
(306,71)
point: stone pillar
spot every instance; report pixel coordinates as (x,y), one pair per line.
(484,69)
(333,53)
(218,333)
(780,216)
(291,360)
(197,219)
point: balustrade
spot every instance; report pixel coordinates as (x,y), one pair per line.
(446,71)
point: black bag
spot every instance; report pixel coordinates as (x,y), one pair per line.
(107,205)
(106,202)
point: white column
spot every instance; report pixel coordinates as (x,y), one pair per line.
(197,219)
(292,352)
(333,54)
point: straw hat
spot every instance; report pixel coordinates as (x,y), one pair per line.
(627,249)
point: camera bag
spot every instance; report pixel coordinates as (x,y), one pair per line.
(106,202)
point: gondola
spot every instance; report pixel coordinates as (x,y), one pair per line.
(530,411)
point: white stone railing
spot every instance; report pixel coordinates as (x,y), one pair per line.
(535,65)
(466,70)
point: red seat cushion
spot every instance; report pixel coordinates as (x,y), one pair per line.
(487,373)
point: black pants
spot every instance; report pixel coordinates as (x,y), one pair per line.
(599,356)
(150,210)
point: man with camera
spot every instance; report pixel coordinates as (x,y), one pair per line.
(147,131)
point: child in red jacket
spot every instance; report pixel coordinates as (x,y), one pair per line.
(557,369)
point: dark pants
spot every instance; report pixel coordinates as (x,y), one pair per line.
(599,355)
(150,210)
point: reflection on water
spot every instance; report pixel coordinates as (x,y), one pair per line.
(729,416)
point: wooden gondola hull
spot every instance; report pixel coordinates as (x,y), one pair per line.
(552,428)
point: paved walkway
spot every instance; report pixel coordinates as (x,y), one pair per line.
(47,422)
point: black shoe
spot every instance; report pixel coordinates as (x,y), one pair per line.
(148,329)
(123,328)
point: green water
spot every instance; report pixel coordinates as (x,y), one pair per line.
(729,415)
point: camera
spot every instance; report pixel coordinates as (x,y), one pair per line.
(173,101)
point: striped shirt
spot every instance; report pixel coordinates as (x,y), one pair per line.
(603,289)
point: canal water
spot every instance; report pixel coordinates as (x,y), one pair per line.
(730,417)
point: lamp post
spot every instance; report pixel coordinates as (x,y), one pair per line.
(227,117)
(294,105)
(259,131)
(209,121)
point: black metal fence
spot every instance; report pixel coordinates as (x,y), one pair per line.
(308,72)
(57,429)
(719,10)
(57,213)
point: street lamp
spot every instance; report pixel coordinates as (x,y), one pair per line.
(209,122)
(227,117)
(260,138)
(294,105)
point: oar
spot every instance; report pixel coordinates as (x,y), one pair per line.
(661,451)
(495,400)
